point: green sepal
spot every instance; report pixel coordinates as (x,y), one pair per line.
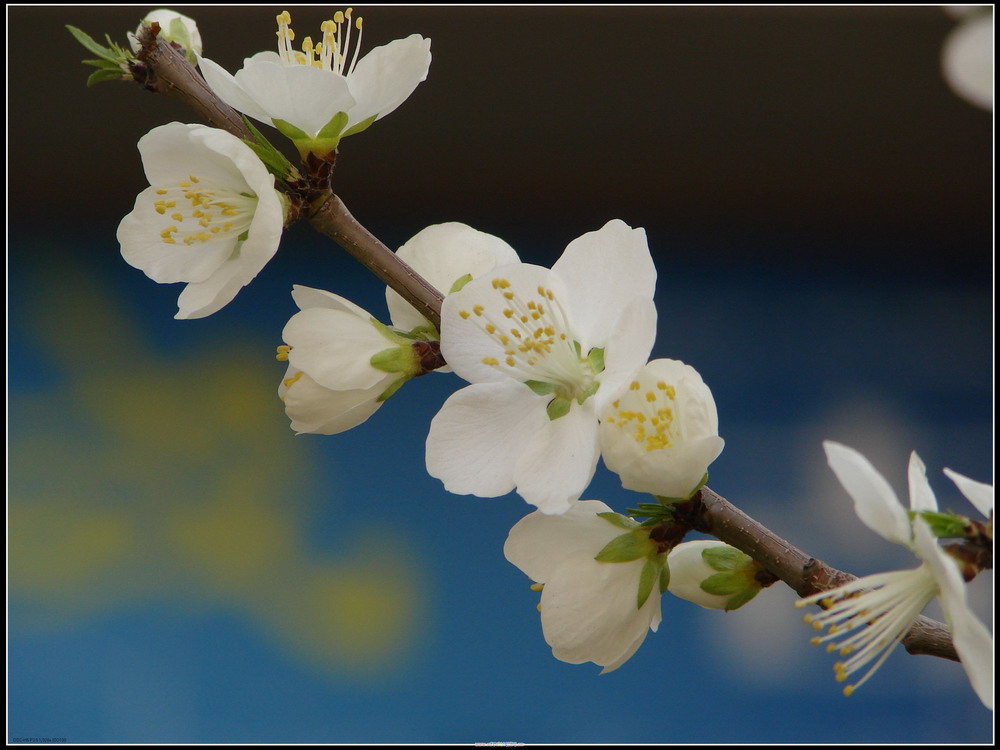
(423,333)
(579,349)
(178,34)
(393,387)
(273,159)
(558,407)
(664,578)
(669,500)
(649,576)
(724,584)
(624,548)
(588,393)
(944,525)
(391,335)
(333,129)
(541,387)
(725,558)
(106,74)
(290,131)
(105,64)
(738,600)
(596,359)
(243,236)
(361,126)
(394,359)
(305,144)
(87,41)
(617,519)
(459,283)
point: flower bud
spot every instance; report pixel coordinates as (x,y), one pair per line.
(712,575)
(174,27)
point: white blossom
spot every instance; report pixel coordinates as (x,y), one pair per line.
(590,610)
(545,350)
(174,27)
(867,617)
(324,92)
(662,431)
(211,216)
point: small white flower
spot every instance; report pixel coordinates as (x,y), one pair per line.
(967,58)
(712,574)
(590,610)
(322,93)
(211,216)
(331,384)
(869,616)
(662,431)
(448,256)
(174,27)
(545,350)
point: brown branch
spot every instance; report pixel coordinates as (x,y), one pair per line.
(169,72)
(804,574)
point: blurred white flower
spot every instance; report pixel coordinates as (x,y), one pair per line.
(322,93)
(867,617)
(174,27)
(332,347)
(211,216)
(662,431)
(545,350)
(591,610)
(967,58)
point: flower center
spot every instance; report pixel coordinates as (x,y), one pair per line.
(537,348)
(331,53)
(203,212)
(648,417)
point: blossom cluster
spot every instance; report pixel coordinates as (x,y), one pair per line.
(556,361)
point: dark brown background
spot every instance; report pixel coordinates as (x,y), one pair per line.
(811,134)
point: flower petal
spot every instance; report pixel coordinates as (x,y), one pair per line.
(603,271)
(921,495)
(465,343)
(301,95)
(977,493)
(874,501)
(972,640)
(589,611)
(539,543)
(225,86)
(206,297)
(315,409)
(480,432)
(306,297)
(171,153)
(387,75)
(558,461)
(442,254)
(335,348)
(628,349)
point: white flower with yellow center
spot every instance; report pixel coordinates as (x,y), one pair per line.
(545,350)
(867,617)
(324,92)
(662,431)
(342,363)
(211,216)
(591,610)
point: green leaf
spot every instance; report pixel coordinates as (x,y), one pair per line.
(104,64)
(540,387)
(87,41)
(393,387)
(724,558)
(363,125)
(273,165)
(282,167)
(738,600)
(945,524)
(629,546)
(724,584)
(558,407)
(596,359)
(332,130)
(617,519)
(650,574)
(105,74)
(459,283)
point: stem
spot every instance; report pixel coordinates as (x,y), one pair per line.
(806,575)
(335,221)
(169,72)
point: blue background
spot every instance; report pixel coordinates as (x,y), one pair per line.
(184,569)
